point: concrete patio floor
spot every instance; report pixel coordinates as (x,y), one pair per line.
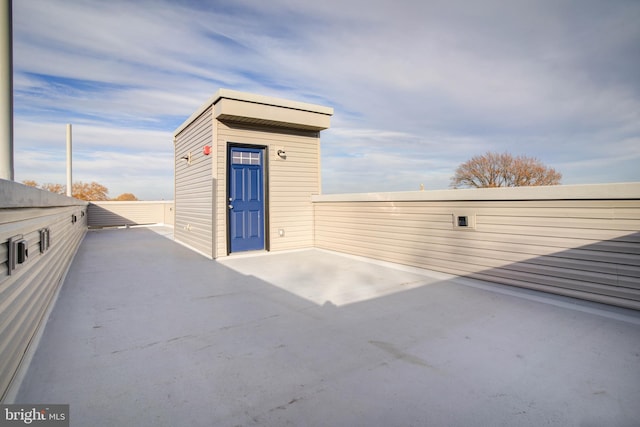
(148,333)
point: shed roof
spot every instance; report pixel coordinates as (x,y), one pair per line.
(257,100)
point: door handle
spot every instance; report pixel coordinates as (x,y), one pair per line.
(230,206)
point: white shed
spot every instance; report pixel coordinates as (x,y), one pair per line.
(246,167)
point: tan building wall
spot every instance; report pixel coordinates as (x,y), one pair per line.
(193,191)
(579,241)
(291,181)
(237,118)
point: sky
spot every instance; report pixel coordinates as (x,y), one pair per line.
(417,86)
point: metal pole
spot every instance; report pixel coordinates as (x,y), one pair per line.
(6,91)
(69,180)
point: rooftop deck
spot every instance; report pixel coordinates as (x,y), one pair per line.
(147,332)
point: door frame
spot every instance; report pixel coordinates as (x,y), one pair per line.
(265,191)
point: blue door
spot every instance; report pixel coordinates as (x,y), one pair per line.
(246,199)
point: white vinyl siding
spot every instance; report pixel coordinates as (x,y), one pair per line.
(291,181)
(583,248)
(27,294)
(110,214)
(193,185)
(244,119)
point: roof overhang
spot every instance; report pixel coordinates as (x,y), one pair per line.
(231,105)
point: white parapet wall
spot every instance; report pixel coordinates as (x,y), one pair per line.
(40,233)
(581,241)
(114,214)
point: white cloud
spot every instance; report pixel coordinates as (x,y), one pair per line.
(90,136)
(124,160)
(432,81)
(144,174)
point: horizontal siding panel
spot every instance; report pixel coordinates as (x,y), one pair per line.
(579,233)
(499,238)
(195,219)
(566,223)
(25,217)
(619,274)
(280,182)
(291,245)
(579,247)
(572,212)
(566,291)
(107,214)
(290,210)
(184,227)
(590,262)
(289,199)
(391,226)
(397,216)
(291,181)
(568,213)
(33,220)
(303,166)
(510,215)
(471,256)
(511,253)
(562,213)
(287,215)
(509,206)
(195,206)
(288,218)
(26,295)
(540,246)
(450,264)
(194,210)
(193,188)
(614,281)
(193,185)
(614,259)
(563,282)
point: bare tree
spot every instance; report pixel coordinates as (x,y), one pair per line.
(30,183)
(503,170)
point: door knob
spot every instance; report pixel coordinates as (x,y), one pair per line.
(230,206)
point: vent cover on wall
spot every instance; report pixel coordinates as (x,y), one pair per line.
(18,252)
(464,221)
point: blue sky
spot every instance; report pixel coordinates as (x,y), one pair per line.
(418,87)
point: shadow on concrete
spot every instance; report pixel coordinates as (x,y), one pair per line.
(147,332)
